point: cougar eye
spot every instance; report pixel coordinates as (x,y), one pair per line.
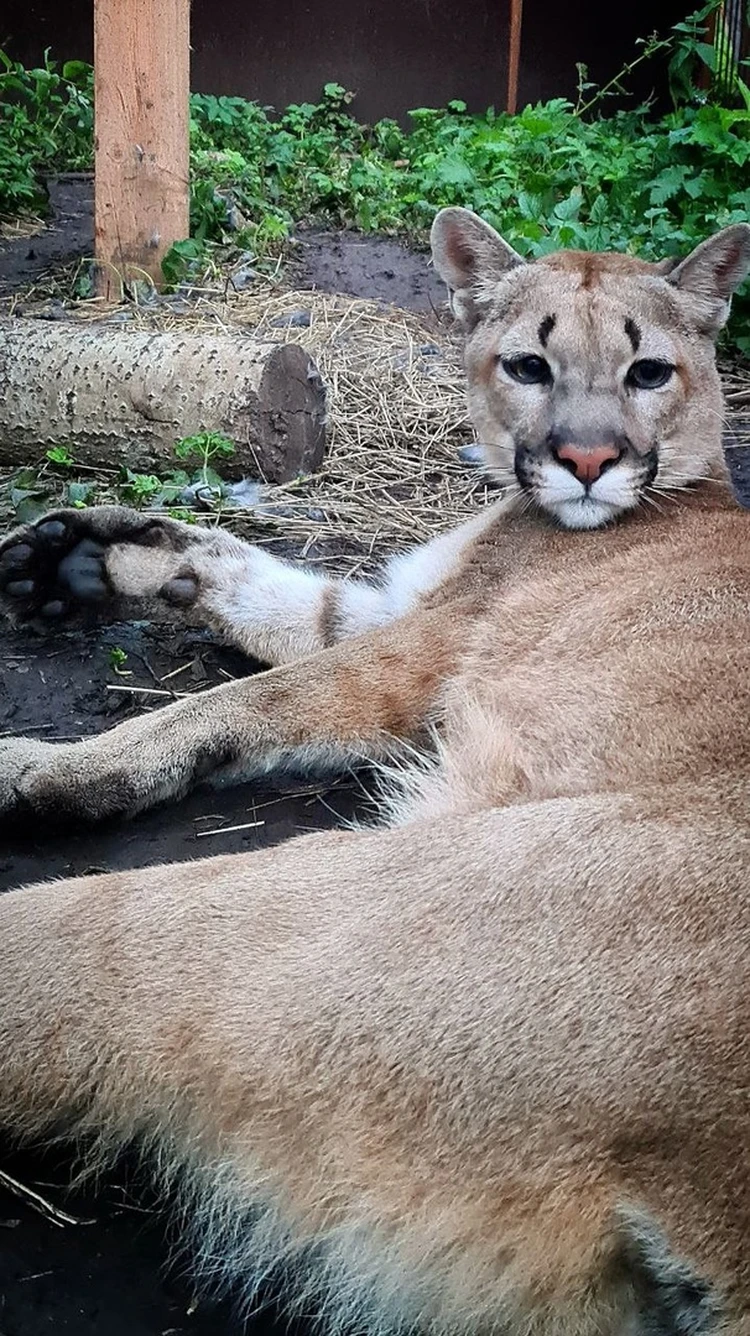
(649,374)
(527,369)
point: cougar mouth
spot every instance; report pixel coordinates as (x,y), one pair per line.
(585,487)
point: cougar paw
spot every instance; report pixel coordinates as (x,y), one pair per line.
(48,568)
(49,783)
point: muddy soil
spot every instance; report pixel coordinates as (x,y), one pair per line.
(377,267)
(107,1276)
(68,237)
(361,266)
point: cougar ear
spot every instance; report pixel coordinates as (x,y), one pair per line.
(469,256)
(713,271)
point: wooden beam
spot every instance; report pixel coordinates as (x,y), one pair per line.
(514,55)
(142,85)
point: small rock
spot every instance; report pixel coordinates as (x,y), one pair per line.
(243,278)
(472,454)
(292,320)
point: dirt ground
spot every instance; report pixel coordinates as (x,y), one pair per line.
(112,1277)
(377,267)
(69,237)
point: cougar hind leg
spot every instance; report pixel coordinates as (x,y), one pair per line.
(398,1067)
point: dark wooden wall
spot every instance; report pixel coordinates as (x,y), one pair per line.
(396,54)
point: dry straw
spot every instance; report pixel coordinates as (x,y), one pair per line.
(396,407)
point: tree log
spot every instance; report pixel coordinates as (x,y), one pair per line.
(119,396)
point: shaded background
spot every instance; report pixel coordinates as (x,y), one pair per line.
(395,54)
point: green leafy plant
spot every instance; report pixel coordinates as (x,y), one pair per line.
(205,446)
(183,260)
(181,513)
(60,456)
(148,489)
(117,658)
(46,124)
(557,174)
(592,95)
(699,43)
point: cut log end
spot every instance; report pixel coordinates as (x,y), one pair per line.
(291,405)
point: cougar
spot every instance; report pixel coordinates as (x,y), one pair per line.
(482,1065)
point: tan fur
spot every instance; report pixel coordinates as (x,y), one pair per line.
(483,1067)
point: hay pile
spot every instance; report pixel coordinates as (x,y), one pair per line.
(396,419)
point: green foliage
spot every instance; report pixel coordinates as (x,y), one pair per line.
(206,445)
(692,54)
(149,490)
(61,456)
(140,489)
(46,125)
(117,659)
(183,260)
(557,174)
(315,160)
(180,492)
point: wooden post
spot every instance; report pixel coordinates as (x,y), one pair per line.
(514,55)
(142,84)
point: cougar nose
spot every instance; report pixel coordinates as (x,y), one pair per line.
(587,462)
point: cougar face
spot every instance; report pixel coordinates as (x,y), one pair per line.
(592,378)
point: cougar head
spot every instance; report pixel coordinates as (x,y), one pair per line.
(592,377)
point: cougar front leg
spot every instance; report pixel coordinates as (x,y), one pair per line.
(342,707)
(271,609)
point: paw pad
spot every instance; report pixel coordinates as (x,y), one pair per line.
(48,568)
(181,591)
